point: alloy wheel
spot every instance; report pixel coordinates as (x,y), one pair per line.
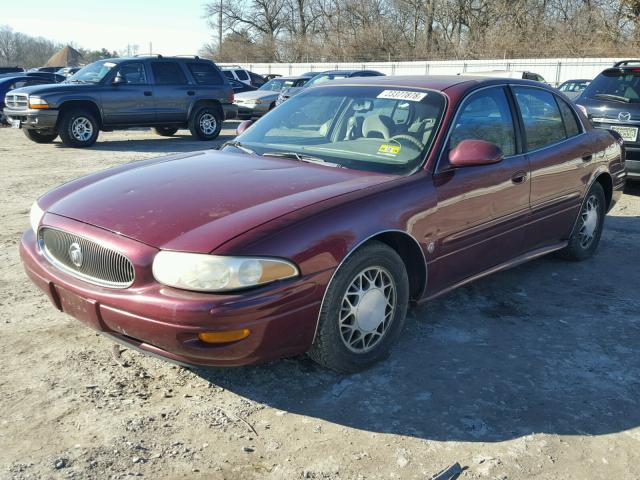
(82,129)
(208,124)
(589,218)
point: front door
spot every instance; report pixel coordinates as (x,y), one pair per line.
(482,211)
(130,102)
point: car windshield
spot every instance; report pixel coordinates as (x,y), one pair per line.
(381,129)
(276,85)
(92,73)
(616,84)
(325,77)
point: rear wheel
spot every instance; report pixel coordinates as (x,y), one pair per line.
(165,131)
(586,235)
(363,310)
(78,128)
(205,123)
(40,136)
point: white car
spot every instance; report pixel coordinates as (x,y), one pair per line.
(238,73)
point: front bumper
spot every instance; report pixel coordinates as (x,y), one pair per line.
(632,162)
(248,111)
(165,321)
(40,119)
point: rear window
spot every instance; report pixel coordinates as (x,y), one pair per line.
(168,73)
(242,75)
(623,84)
(205,73)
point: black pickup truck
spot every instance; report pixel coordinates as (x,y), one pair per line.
(166,93)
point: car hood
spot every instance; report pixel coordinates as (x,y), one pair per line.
(54,88)
(255,94)
(198,202)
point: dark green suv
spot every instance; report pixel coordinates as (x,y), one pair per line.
(166,93)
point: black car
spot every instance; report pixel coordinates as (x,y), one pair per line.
(239,87)
(321,77)
(167,93)
(612,101)
(16,80)
(11,69)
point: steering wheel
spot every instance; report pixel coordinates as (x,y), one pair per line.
(411,139)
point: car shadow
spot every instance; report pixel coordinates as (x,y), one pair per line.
(551,346)
(632,188)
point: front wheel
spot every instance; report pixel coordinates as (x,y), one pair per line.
(40,136)
(586,234)
(205,123)
(78,128)
(363,310)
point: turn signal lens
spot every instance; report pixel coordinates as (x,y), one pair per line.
(224,337)
(37,102)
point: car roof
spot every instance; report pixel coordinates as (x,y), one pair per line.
(433,82)
(292,77)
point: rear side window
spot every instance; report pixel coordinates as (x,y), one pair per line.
(569,117)
(486,115)
(168,73)
(541,117)
(205,73)
(242,75)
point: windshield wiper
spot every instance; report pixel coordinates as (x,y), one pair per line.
(608,96)
(302,158)
(239,146)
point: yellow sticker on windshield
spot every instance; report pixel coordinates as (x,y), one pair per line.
(388,149)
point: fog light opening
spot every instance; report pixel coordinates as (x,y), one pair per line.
(224,337)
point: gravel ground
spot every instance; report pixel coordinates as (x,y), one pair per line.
(530,373)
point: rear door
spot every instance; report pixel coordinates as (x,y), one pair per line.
(560,155)
(129,103)
(172,91)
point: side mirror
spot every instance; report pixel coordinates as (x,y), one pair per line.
(469,153)
(119,80)
(242,127)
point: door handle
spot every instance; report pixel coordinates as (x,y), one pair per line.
(587,157)
(519,177)
(148,93)
(191,93)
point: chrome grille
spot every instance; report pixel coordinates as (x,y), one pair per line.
(16,101)
(94,263)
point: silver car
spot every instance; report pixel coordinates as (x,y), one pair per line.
(258,102)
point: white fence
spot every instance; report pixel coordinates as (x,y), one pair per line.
(554,70)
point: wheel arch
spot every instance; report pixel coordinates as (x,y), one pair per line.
(409,250)
(605,180)
(207,103)
(87,104)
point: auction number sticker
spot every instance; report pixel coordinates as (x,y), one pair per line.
(387,149)
(402,95)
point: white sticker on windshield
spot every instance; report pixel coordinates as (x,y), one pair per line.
(109,64)
(402,95)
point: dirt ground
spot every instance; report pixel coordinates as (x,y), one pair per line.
(530,373)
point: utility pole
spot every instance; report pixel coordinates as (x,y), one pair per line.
(220,28)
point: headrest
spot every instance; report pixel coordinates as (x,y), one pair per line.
(380,124)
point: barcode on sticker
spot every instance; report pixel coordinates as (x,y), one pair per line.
(402,95)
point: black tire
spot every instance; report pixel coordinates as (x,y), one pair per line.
(165,131)
(205,123)
(40,136)
(334,332)
(580,246)
(78,128)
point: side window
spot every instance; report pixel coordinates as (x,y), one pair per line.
(168,73)
(133,73)
(541,117)
(204,73)
(242,75)
(570,121)
(486,115)
(228,74)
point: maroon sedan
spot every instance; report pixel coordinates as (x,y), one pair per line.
(316,228)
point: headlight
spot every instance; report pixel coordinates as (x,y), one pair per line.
(37,102)
(35,215)
(214,273)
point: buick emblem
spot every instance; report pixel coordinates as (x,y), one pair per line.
(75,254)
(624,116)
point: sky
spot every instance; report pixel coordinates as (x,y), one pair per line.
(174,27)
